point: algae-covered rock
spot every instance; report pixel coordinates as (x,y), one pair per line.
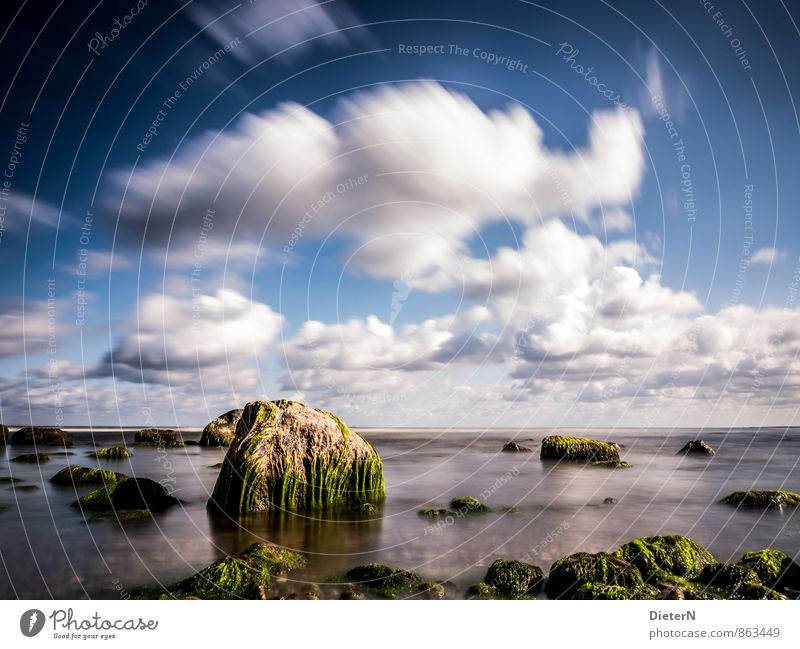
(482,590)
(31,458)
(113,453)
(287,456)
(569,573)
(756,591)
(352,594)
(727,576)
(240,576)
(696,447)
(385,581)
(42,436)
(428,512)
(673,555)
(775,569)
(366,509)
(513,447)
(468,505)
(130,493)
(222,430)
(79,475)
(165,437)
(764,499)
(594,590)
(578,449)
(513,578)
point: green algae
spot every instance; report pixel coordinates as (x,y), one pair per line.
(130,493)
(79,475)
(763,499)
(468,505)
(161,437)
(387,582)
(673,555)
(578,449)
(513,578)
(113,453)
(569,573)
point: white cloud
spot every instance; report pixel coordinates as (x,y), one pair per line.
(767,256)
(22,209)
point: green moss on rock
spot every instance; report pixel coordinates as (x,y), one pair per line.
(79,475)
(428,512)
(385,581)
(482,590)
(579,449)
(727,576)
(164,437)
(287,456)
(673,555)
(241,576)
(756,591)
(32,458)
(222,430)
(775,569)
(512,578)
(130,493)
(113,453)
(569,573)
(42,436)
(594,590)
(763,499)
(468,505)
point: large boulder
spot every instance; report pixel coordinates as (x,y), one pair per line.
(579,449)
(387,582)
(514,578)
(165,437)
(696,447)
(570,573)
(775,569)
(80,475)
(287,456)
(130,493)
(764,499)
(42,436)
(112,453)
(222,430)
(659,557)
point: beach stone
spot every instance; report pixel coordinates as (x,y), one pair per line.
(42,436)
(222,430)
(79,475)
(288,456)
(513,578)
(696,447)
(569,573)
(579,449)
(763,499)
(513,447)
(130,493)
(165,437)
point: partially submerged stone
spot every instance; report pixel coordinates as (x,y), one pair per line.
(468,505)
(31,458)
(595,590)
(775,569)
(579,449)
(222,430)
(482,590)
(41,436)
(113,453)
(513,447)
(79,475)
(130,493)
(660,556)
(287,456)
(165,437)
(696,447)
(513,578)
(387,582)
(569,573)
(763,499)
(3,434)
(240,576)
(429,512)
(727,576)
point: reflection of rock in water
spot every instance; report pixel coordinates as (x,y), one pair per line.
(332,542)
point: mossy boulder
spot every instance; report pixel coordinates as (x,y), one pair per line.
(287,456)
(240,576)
(756,591)
(165,437)
(775,569)
(429,512)
(79,475)
(657,556)
(113,453)
(579,449)
(482,590)
(569,573)
(42,436)
(727,576)
(513,447)
(130,493)
(514,578)
(764,499)
(385,581)
(222,430)
(595,590)
(31,458)
(696,447)
(468,505)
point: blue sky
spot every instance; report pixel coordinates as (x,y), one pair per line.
(580,215)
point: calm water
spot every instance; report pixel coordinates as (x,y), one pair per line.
(49,550)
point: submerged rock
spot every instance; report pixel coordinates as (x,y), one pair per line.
(113,453)
(240,576)
(130,493)
(775,569)
(513,447)
(482,590)
(8,479)
(3,434)
(79,475)
(696,447)
(287,456)
(165,437)
(609,501)
(578,449)
(42,436)
(514,578)
(569,573)
(659,556)
(222,430)
(428,512)
(468,505)
(387,582)
(32,458)
(765,499)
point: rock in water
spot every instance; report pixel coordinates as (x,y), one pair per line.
(42,436)
(3,434)
(222,430)
(579,449)
(764,499)
(696,447)
(130,493)
(513,447)
(165,437)
(79,475)
(287,456)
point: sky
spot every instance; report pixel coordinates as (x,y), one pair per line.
(416,214)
